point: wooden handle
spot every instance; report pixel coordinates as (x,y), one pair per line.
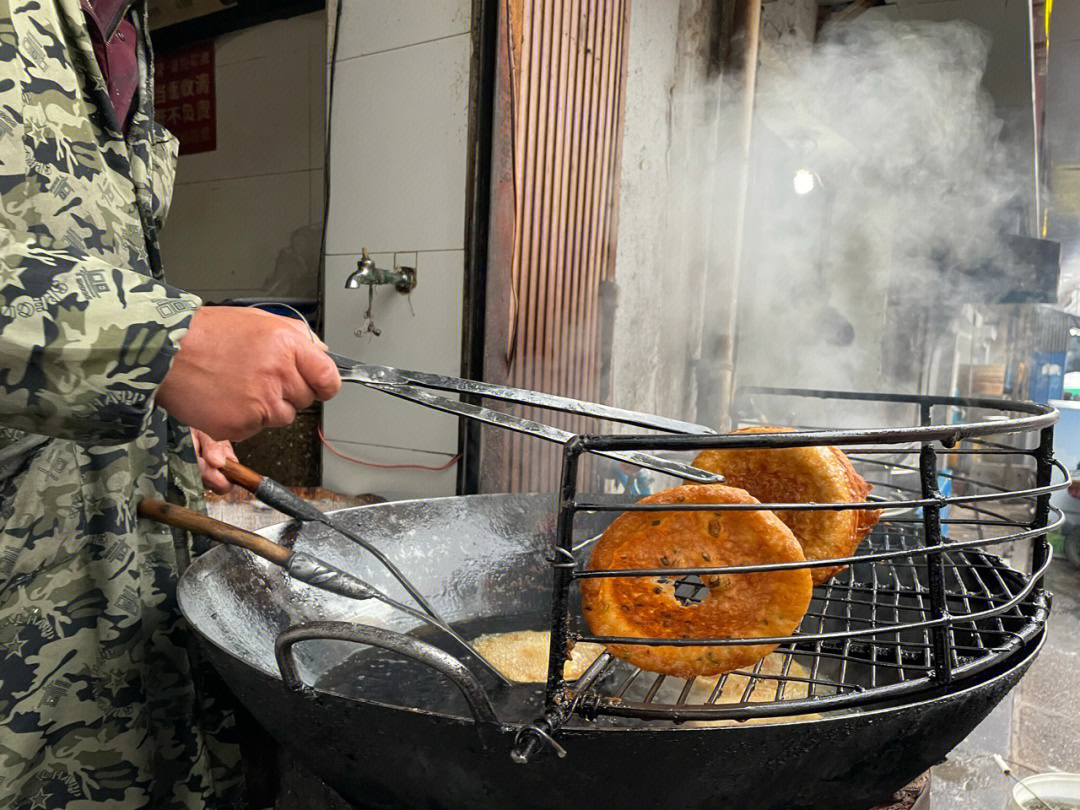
(183,518)
(241,475)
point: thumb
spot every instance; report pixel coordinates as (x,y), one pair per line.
(318,370)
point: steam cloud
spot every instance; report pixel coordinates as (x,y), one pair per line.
(913,182)
(915,179)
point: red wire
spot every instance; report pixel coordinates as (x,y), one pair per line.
(338,453)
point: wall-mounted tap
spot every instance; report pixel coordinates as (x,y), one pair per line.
(367,274)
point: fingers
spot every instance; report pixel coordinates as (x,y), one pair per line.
(281,369)
(308,335)
(196,439)
(295,389)
(214,455)
(280,414)
(211,456)
(313,375)
(216,482)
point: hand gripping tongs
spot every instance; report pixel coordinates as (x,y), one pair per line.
(407,385)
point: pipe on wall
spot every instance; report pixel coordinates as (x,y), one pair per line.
(715,362)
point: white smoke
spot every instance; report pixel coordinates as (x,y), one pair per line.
(914,183)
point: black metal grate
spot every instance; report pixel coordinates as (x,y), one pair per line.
(923,604)
(874,596)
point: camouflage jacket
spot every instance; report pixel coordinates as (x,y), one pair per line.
(100,705)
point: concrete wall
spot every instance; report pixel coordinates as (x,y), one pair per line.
(235,209)
(647,270)
(674,261)
(672,137)
(663,250)
(398,188)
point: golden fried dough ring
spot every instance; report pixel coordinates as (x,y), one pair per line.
(737,605)
(522,655)
(801,475)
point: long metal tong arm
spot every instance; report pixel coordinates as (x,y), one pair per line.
(541,431)
(274,494)
(403,384)
(385,375)
(282,499)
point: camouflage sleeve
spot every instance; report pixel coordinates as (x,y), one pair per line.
(83,345)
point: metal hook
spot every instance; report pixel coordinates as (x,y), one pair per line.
(523,753)
(367,326)
(569,562)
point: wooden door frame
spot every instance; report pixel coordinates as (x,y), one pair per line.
(481,218)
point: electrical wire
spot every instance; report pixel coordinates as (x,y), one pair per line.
(326,165)
(322,251)
(261,306)
(339,454)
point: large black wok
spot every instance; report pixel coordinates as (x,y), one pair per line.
(481,556)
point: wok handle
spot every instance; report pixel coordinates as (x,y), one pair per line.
(414,648)
(183,518)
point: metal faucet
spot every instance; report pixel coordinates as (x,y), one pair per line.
(366,273)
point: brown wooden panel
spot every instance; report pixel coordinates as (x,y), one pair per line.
(562,87)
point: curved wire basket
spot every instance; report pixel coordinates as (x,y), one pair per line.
(926,603)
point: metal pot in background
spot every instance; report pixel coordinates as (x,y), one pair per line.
(1058,790)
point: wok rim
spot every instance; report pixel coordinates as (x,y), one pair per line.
(1025,654)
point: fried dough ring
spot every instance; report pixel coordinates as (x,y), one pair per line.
(801,475)
(761,604)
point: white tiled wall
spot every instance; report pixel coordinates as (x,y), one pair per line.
(374,26)
(398,181)
(419,331)
(400,121)
(235,208)
(396,482)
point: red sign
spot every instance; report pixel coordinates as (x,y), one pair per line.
(184,101)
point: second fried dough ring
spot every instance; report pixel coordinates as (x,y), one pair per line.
(770,603)
(801,475)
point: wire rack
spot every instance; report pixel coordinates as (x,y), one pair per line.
(925,604)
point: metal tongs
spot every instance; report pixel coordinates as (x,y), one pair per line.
(407,384)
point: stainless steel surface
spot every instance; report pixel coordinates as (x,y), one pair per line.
(476,556)
(386,375)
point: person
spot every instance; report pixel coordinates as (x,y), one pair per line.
(104,371)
